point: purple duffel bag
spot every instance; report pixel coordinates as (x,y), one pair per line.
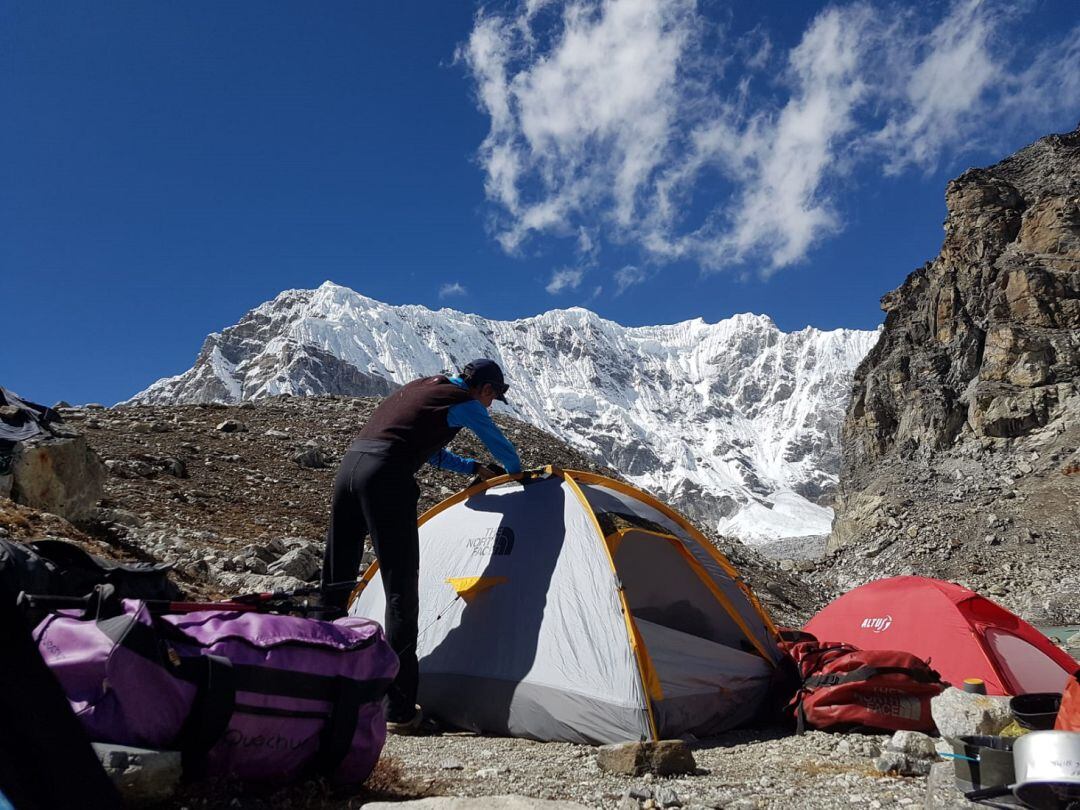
(261,697)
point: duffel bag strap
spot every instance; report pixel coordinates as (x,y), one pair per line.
(337,735)
(866,673)
(212,708)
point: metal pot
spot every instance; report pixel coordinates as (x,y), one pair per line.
(1047,765)
(982,762)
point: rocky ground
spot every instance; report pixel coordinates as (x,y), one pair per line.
(1005,524)
(237,497)
(741,770)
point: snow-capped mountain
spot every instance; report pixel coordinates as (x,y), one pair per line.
(735,422)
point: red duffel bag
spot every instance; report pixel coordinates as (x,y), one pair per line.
(1068,717)
(845,688)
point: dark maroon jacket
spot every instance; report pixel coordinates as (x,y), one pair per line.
(413,419)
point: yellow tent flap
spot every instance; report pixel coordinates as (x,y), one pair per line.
(469,587)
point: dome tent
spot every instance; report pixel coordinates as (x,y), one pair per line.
(568,606)
(960,633)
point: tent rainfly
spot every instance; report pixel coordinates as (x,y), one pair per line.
(960,633)
(565,605)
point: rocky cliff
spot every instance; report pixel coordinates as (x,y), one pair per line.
(960,442)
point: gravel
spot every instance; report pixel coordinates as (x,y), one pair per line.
(747,768)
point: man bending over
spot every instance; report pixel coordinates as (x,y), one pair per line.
(375,492)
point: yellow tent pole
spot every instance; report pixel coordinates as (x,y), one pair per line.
(650,683)
(689,528)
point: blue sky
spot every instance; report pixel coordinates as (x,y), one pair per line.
(168,166)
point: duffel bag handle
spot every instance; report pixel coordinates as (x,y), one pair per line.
(866,673)
(100,603)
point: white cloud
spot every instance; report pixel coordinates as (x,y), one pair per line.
(587,246)
(609,121)
(451,288)
(945,88)
(566,279)
(781,159)
(587,119)
(628,277)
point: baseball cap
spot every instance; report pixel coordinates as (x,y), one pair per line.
(483,371)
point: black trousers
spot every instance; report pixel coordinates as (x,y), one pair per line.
(377,495)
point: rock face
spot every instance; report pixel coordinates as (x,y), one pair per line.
(734,422)
(965,417)
(984,341)
(58,475)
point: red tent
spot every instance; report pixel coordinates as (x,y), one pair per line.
(961,634)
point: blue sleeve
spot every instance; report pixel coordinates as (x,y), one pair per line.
(475,417)
(445,460)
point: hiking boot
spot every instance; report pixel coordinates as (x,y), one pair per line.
(408,727)
(415,726)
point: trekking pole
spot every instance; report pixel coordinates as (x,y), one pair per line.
(49,603)
(244,603)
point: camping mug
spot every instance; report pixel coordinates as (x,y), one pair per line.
(1047,765)
(1036,710)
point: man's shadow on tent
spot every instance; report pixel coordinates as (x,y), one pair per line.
(499,629)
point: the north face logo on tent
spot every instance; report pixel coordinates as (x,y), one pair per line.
(879,624)
(494,542)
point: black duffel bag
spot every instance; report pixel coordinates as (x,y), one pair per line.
(59,568)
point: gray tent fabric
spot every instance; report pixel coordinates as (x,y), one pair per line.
(533,623)
(21,419)
(695,700)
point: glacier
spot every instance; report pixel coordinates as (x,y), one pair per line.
(735,423)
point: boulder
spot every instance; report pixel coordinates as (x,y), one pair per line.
(312,457)
(1072,646)
(957,713)
(232,426)
(908,753)
(663,758)
(913,743)
(61,476)
(142,775)
(175,467)
(666,797)
(300,562)
(902,764)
